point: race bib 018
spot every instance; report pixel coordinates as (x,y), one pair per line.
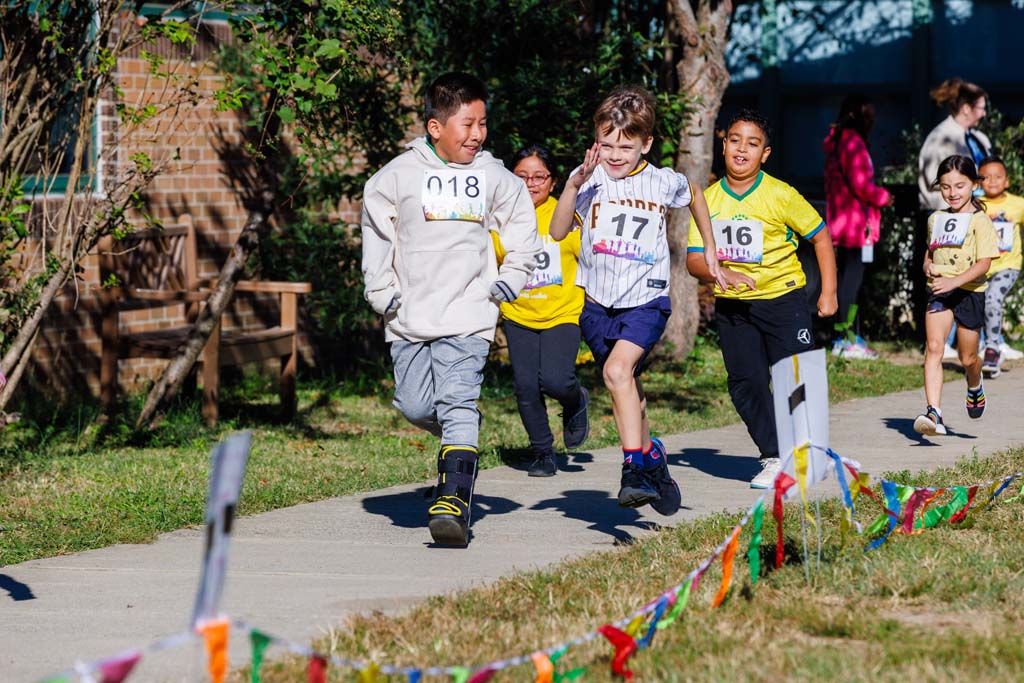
(627,233)
(739,240)
(949,229)
(454,195)
(549,267)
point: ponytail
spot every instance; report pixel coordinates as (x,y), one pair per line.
(955,93)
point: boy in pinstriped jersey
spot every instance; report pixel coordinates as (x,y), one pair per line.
(619,202)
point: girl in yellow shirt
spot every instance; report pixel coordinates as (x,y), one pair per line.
(542,325)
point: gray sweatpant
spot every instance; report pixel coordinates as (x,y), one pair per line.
(999,286)
(437,384)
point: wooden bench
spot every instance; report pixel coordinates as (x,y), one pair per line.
(157,268)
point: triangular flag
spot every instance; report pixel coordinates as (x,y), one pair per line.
(259,642)
(460,674)
(892,498)
(624,646)
(415,676)
(316,672)
(545,669)
(754,549)
(369,674)
(783,482)
(483,676)
(633,627)
(727,559)
(960,514)
(116,669)
(659,610)
(681,601)
(215,633)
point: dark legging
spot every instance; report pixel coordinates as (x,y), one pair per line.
(851,275)
(543,362)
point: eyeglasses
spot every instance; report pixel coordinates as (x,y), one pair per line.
(534,179)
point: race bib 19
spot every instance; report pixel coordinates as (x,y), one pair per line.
(626,232)
(454,195)
(549,267)
(739,240)
(1004,230)
(949,229)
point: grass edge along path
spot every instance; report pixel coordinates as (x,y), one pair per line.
(908,508)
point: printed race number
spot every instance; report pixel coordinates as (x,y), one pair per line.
(454,195)
(1004,230)
(626,232)
(739,240)
(950,229)
(549,267)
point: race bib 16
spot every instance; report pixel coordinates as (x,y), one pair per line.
(739,240)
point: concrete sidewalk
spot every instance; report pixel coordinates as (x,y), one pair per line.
(299,571)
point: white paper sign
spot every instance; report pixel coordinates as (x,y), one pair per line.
(949,229)
(739,240)
(454,195)
(227,467)
(549,267)
(626,232)
(800,391)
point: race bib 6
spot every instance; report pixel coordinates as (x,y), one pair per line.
(950,229)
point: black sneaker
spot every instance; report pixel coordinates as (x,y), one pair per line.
(576,427)
(975,402)
(636,488)
(544,465)
(668,490)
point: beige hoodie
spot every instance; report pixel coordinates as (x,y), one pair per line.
(442,269)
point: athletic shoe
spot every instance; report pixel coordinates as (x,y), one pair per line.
(990,366)
(544,465)
(1009,353)
(838,346)
(452,497)
(670,500)
(976,402)
(765,479)
(949,352)
(857,352)
(576,427)
(930,423)
(635,487)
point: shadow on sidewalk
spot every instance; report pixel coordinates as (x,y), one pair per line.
(721,465)
(409,509)
(905,426)
(16,589)
(599,510)
(520,459)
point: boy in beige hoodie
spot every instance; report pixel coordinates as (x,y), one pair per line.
(429,268)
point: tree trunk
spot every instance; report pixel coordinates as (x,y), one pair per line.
(704,77)
(177,371)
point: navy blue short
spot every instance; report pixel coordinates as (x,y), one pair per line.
(968,307)
(642,325)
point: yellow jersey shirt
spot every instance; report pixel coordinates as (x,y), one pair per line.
(1006,213)
(551,296)
(756,234)
(979,241)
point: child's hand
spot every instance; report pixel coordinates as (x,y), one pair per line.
(590,161)
(828,304)
(943,285)
(501,292)
(737,281)
(715,268)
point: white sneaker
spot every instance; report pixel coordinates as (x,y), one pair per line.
(950,352)
(770,468)
(1008,353)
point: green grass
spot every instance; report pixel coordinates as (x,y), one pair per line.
(944,605)
(69,483)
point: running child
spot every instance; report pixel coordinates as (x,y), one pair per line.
(619,201)
(1006,211)
(542,325)
(761,309)
(429,268)
(962,246)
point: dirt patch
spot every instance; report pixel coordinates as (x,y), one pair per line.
(982,623)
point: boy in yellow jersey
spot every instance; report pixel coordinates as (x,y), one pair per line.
(542,324)
(762,314)
(1006,211)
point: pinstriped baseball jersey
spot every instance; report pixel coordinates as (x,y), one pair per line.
(624,258)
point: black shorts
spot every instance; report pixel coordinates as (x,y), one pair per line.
(968,307)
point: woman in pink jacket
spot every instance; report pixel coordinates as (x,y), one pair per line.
(853,208)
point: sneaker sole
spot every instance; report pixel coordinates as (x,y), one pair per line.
(669,503)
(541,473)
(636,498)
(449,530)
(990,373)
(922,425)
(761,487)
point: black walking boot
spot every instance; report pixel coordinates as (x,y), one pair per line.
(453,496)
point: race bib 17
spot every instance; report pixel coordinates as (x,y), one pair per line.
(454,195)
(627,233)
(740,240)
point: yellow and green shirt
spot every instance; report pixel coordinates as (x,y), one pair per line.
(784,216)
(980,242)
(1007,209)
(551,297)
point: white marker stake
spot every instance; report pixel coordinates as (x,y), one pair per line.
(800,389)
(227,467)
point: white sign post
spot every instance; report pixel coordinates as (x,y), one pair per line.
(800,388)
